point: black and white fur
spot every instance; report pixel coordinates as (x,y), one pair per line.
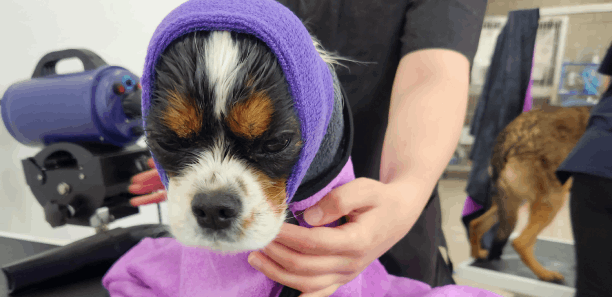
(218,70)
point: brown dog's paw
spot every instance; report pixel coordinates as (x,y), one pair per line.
(551,276)
(476,251)
(479,253)
(482,254)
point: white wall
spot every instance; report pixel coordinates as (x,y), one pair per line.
(117,30)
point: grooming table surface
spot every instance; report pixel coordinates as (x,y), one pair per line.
(511,274)
(14,248)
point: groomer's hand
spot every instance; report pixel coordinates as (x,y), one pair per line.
(318,261)
(149,185)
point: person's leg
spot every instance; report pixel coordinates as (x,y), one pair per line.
(417,256)
(591,215)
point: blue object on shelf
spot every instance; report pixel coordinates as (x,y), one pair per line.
(590,80)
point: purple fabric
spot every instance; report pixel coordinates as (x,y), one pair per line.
(528,98)
(308,76)
(470,207)
(346,175)
(163,267)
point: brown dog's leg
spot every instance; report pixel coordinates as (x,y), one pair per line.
(515,183)
(542,213)
(478,228)
(508,215)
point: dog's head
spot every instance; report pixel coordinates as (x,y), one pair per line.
(223,126)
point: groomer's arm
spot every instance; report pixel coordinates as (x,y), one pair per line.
(428,106)
(427,111)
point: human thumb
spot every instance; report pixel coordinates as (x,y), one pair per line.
(323,212)
(313,215)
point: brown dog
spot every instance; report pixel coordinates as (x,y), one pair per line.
(523,164)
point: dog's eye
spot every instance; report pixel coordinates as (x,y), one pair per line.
(169,145)
(276,145)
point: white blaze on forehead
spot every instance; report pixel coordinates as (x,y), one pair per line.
(222,58)
(225,168)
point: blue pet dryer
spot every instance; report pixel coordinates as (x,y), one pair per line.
(100,104)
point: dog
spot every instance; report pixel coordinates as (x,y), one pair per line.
(223,126)
(525,157)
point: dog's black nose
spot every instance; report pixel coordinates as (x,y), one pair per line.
(215,210)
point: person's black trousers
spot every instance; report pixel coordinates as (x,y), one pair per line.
(591,214)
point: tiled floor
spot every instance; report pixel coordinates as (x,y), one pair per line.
(452,194)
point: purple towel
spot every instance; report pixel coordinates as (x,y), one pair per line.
(308,76)
(163,267)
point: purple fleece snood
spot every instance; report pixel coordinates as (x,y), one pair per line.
(310,81)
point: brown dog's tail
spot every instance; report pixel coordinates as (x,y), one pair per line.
(498,157)
(498,161)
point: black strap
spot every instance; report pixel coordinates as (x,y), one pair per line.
(306,190)
(289,292)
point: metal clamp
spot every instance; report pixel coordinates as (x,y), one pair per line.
(101,219)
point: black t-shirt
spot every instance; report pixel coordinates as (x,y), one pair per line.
(606,65)
(380,33)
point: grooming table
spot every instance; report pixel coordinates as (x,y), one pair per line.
(512,275)
(14,247)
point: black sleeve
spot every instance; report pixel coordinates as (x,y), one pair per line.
(606,65)
(449,24)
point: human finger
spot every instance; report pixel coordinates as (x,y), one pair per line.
(276,273)
(156,197)
(304,264)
